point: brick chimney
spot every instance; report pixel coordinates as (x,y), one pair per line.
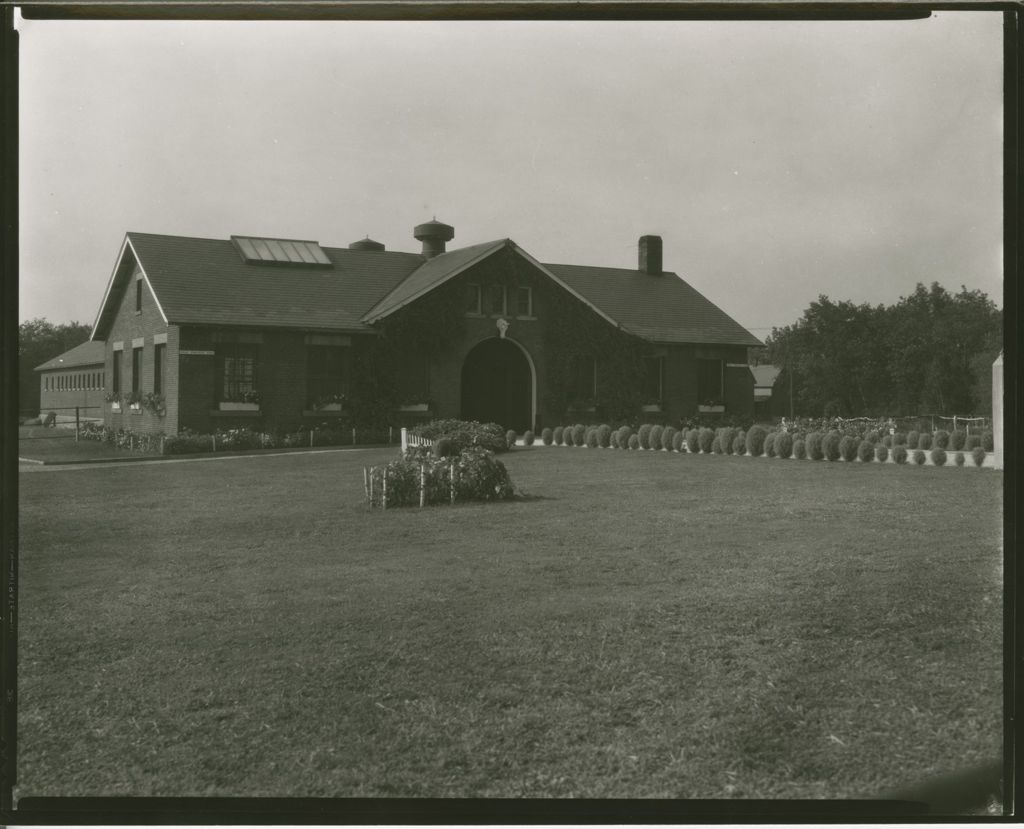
(650,255)
(433,234)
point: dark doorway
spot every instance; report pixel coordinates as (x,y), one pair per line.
(497,385)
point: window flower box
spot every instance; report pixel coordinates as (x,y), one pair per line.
(414,407)
(328,407)
(718,409)
(651,407)
(235,406)
(115,406)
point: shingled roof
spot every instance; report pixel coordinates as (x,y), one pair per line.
(206,282)
(86,354)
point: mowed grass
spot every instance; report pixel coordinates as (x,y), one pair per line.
(643,625)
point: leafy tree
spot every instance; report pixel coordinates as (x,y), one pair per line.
(930,352)
(38,341)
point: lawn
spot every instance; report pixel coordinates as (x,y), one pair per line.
(58,445)
(642,625)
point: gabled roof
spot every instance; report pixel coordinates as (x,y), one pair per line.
(205,282)
(87,354)
(662,308)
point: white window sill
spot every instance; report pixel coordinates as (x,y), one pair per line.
(238,407)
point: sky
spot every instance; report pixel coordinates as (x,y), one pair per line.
(777,160)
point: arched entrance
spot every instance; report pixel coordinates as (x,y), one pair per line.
(497,385)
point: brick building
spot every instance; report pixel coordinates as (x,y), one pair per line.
(274,333)
(73,380)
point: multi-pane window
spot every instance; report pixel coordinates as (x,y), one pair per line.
(709,382)
(237,371)
(414,379)
(524,301)
(653,374)
(497,299)
(116,377)
(136,369)
(159,367)
(473,299)
(582,379)
(327,368)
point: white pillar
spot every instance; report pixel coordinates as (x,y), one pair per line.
(997,409)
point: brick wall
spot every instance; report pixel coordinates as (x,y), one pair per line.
(131,326)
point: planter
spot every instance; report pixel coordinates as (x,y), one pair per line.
(239,407)
(135,408)
(651,407)
(328,407)
(115,406)
(711,409)
(414,407)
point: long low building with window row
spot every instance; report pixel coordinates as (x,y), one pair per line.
(275,333)
(72,383)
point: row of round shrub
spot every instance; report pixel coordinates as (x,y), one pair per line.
(757,442)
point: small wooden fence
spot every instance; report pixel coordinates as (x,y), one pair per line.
(413,440)
(437,483)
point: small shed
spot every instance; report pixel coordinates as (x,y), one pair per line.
(73,380)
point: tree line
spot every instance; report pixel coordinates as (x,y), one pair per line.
(929,353)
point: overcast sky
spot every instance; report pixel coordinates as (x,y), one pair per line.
(778,161)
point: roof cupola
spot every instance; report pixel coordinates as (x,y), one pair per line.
(366,244)
(433,234)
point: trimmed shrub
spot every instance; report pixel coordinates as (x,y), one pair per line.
(925,441)
(815,451)
(465,433)
(624,433)
(784,444)
(634,441)
(941,439)
(558,435)
(830,446)
(668,438)
(972,442)
(705,438)
(848,448)
(604,435)
(978,454)
(591,439)
(567,436)
(899,439)
(873,437)
(445,448)
(957,439)
(479,477)
(866,451)
(510,438)
(579,435)
(920,457)
(899,454)
(547,437)
(679,442)
(728,439)
(755,441)
(716,445)
(799,449)
(958,459)
(739,445)
(881,453)
(938,456)
(913,436)
(693,441)
(528,438)
(769,444)
(644,435)
(887,441)
(988,442)
(654,438)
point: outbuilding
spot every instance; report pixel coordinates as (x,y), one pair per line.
(72,383)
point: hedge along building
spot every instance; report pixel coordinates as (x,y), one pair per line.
(275,333)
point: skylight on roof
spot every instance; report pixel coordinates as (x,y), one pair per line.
(259,251)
